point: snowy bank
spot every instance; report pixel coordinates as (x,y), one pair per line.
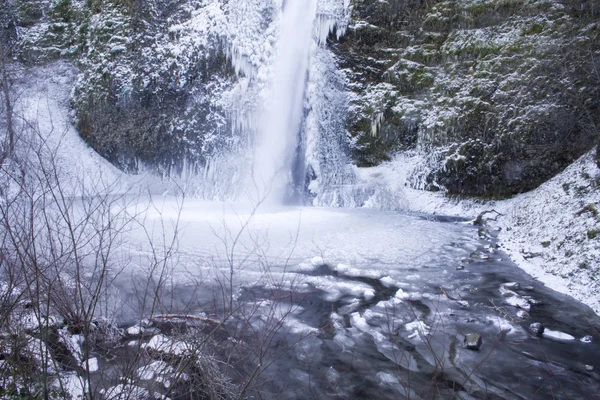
(552,232)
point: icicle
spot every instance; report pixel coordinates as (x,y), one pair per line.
(332,16)
(379,118)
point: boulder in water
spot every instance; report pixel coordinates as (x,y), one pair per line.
(472,341)
(537,329)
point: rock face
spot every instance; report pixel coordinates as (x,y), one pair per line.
(149,85)
(497,93)
(151,75)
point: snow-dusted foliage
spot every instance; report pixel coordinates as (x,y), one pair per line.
(488,91)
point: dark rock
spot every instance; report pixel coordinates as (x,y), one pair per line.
(537,329)
(472,341)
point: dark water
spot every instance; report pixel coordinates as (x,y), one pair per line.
(345,359)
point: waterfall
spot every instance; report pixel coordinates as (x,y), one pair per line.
(281,117)
(279,127)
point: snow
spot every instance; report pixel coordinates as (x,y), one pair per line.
(317,261)
(74,385)
(387,378)
(418,328)
(91,364)
(359,322)
(37,350)
(553,212)
(72,342)
(158,371)
(335,289)
(504,325)
(135,330)
(126,391)
(43,102)
(166,345)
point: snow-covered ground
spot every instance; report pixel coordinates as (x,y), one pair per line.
(551,232)
(44,126)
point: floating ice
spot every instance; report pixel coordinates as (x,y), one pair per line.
(419,329)
(558,336)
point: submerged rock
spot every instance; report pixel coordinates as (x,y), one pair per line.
(472,341)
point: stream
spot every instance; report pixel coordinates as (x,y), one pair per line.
(377,304)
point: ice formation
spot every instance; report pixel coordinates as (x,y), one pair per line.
(277,136)
(286,107)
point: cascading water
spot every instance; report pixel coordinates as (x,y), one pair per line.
(283,130)
(277,136)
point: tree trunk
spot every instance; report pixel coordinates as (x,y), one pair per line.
(9,141)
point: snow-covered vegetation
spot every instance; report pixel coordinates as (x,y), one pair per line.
(499,96)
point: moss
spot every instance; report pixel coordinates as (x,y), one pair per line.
(421,79)
(534,29)
(363,125)
(29,12)
(57,28)
(593,233)
(61,11)
(546,244)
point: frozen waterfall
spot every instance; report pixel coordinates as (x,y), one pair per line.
(283,135)
(280,123)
